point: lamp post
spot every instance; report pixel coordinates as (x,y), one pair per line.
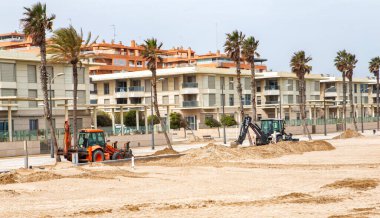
(151,110)
(324,109)
(51,111)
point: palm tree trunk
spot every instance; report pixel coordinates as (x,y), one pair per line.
(303,107)
(75,93)
(377,99)
(253,91)
(47,112)
(344,101)
(155,103)
(352,102)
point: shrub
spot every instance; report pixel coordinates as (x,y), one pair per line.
(103,119)
(228,120)
(211,122)
(175,120)
(155,119)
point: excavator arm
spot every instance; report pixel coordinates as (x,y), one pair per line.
(261,138)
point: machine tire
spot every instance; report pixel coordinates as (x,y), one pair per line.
(116,156)
(98,156)
(279,138)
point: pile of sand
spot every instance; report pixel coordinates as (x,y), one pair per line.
(214,153)
(357,184)
(165,151)
(348,134)
(17,177)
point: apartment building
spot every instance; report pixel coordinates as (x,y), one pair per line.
(196,92)
(20,90)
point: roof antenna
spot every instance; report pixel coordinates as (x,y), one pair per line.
(114,32)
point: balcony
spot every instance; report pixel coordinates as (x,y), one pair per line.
(94,92)
(272,102)
(190,103)
(272,90)
(121,92)
(190,85)
(136,88)
(246,102)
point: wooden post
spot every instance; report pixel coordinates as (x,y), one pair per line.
(113,120)
(146,119)
(26,160)
(121,120)
(10,126)
(137,121)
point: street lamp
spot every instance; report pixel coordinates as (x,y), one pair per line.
(324,109)
(223,103)
(151,110)
(362,107)
(51,112)
(279,87)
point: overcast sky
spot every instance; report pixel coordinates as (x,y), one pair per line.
(320,27)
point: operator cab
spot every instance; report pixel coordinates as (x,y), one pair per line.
(91,137)
(268,126)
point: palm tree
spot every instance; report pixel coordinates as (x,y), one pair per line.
(341,64)
(35,24)
(66,47)
(249,51)
(151,55)
(351,64)
(374,66)
(299,65)
(232,47)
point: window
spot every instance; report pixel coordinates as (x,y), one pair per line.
(231,83)
(316,86)
(106,101)
(247,83)
(356,99)
(222,99)
(8,72)
(231,99)
(365,100)
(94,88)
(355,88)
(32,93)
(211,100)
(148,85)
(176,83)
(288,99)
(290,84)
(246,99)
(298,99)
(50,73)
(122,101)
(258,100)
(211,82)
(119,62)
(131,63)
(81,94)
(33,124)
(139,63)
(165,99)
(93,101)
(222,83)
(121,86)
(81,75)
(176,99)
(32,74)
(8,92)
(106,88)
(165,84)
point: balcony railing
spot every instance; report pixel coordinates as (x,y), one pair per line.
(272,87)
(136,88)
(94,92)
(190,85)
(272,102)
(121,89)
(190,103)
(246,102)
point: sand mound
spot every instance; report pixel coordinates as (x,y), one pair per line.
(165,151)
(16,177)
(357,184)
(348,134)
(214,153)
(7,178)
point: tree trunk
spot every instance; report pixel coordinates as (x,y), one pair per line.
(352,103)
(218,132)
(253,91)
(377,99)
(47,112)
(75,101)
(155,102)
(344,101)
(303,107)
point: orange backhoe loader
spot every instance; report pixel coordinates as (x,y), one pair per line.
(92,146)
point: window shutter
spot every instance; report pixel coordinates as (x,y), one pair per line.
(32,74)
(8,73)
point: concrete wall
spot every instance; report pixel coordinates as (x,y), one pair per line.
(10,149)
(144,140)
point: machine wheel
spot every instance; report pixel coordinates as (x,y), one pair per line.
(97,156)
(279,138)
(116,156)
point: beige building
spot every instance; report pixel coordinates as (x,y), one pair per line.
(196,92)
(19,77)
